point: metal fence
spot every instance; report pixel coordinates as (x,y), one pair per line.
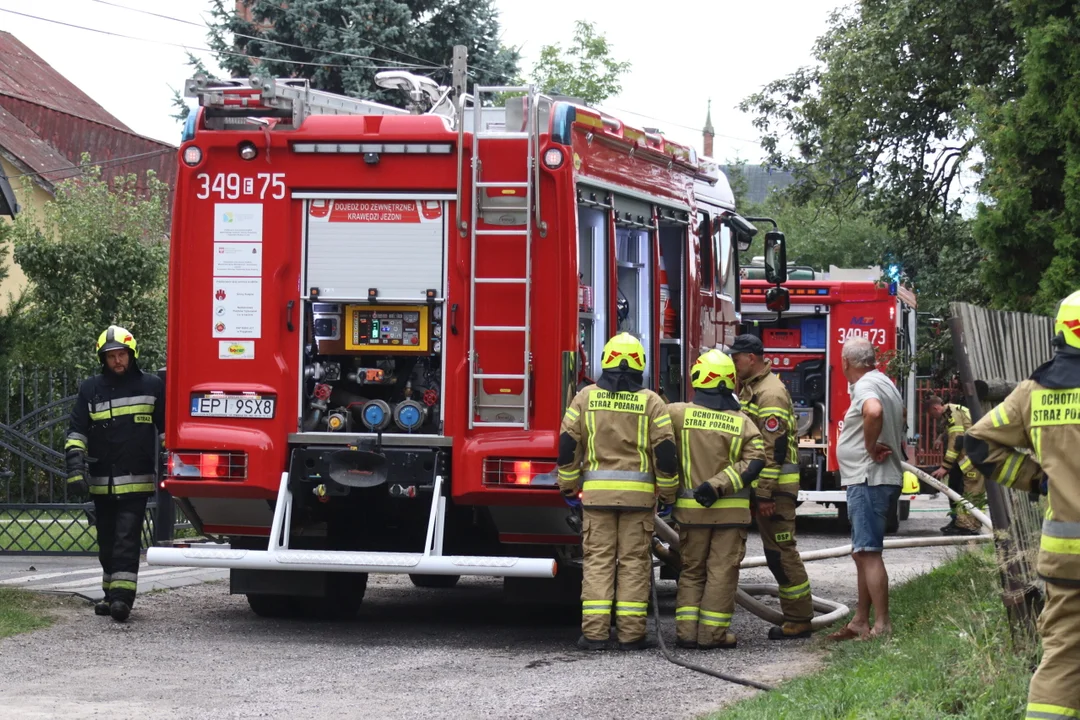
(928,452)
(1001,349)
(37,513)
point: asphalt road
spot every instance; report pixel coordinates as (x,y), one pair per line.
(197,652)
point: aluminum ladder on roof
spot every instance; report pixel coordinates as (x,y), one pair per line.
(478,186)
(278,97)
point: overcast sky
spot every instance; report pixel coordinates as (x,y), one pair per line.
(683,52)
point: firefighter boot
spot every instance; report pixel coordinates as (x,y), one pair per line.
(119,610)
(101,608)
(728,643)
(641,644)
(584,643)
(790,631)
(947,529)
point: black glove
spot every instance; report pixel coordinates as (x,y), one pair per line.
(75,459)
(706,494)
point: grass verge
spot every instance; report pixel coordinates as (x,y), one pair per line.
(950,657)
(22,611)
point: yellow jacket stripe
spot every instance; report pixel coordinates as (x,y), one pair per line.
(120,411)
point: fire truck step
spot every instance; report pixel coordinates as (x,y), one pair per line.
(501,281)
(501,232)
(499,376)
(481,423)
(500,328)
(502,184)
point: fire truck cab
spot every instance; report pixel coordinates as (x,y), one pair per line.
(804,345)
(378,316)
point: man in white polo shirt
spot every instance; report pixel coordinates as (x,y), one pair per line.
(869,452)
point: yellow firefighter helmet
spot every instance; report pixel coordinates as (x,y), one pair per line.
(115,337)
(911,483)
(1067,323)
(712,370)
(623,346)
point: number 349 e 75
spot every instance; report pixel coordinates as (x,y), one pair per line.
(874,335)
(231,186)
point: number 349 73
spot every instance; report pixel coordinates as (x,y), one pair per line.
(874,335)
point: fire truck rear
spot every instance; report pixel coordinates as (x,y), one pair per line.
(378,316)
(804,347)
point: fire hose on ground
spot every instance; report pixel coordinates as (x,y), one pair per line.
(666,547)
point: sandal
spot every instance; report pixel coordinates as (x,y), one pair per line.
(846,633)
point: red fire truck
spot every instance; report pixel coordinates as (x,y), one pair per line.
(804,345)
(377,317)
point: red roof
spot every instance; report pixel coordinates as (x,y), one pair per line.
(46,123)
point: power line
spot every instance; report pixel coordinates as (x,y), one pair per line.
(101,163)
(426,64)
(191,48)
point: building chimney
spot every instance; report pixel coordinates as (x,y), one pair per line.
(707,133)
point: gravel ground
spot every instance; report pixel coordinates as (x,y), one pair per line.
(198,652)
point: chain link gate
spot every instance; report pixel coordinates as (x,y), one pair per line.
(37,514)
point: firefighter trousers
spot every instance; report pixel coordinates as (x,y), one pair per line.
(974,491)
(705,600)
(956,484)
(1055,688)
(617,545)
(778,539)
(119,531)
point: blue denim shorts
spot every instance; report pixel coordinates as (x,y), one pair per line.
(868,508)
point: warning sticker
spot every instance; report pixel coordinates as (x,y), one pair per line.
(375,211)
(237,307)
(238,222)
(233,259)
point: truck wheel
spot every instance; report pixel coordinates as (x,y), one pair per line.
(344,596)
(434,581)
(905,509)
(892,521)
(842,517)
(273,606)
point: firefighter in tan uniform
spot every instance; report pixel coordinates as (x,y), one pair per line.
(957,420)
(1043,415)
(767,402)
(720,455)
(616,447)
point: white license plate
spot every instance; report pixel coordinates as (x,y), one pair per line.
(232,406)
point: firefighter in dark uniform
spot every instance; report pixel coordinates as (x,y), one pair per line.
(1042,415)
(963,477)
(617,449)
(720,455)
(116,426)
(766,400)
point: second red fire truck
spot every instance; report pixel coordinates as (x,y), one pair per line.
(377,317)
(804,346)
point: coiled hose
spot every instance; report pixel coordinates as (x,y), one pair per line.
(666,544)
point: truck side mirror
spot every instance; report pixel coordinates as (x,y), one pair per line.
(775,257)
(778,299)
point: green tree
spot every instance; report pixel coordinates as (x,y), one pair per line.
(10,315)
(586,70)
(1031,225)
(340,44)
(95,255)
(885,121)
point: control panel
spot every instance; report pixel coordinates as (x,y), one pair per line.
(386,328)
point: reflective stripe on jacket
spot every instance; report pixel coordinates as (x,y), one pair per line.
(767,402)
(616,436)
(119,422)
(714,446)
(1046,422)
